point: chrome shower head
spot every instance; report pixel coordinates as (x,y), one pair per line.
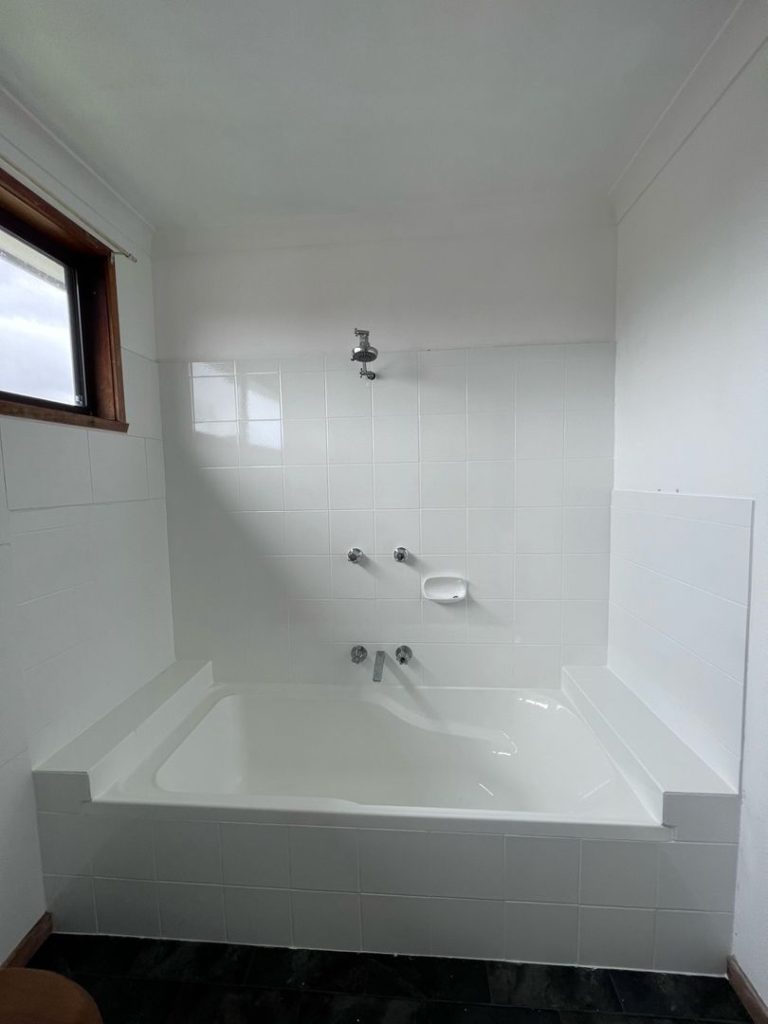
(364,353)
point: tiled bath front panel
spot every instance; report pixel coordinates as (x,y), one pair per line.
(493,464)
(634,904)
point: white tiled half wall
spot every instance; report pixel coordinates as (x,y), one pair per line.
(494,464)
(643,904)
(680,574)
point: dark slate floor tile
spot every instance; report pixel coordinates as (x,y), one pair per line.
(220,1004)
(545,987)
(568,1017)
(326,1008)
(131,1000)
(215,963)
(455,1013)
(313,969)
(677,995)
(87,954)
(428,978)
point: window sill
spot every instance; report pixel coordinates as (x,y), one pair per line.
(49,414)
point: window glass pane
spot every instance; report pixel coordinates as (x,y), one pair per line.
(36,350)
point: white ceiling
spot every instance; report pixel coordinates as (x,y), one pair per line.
(202,112)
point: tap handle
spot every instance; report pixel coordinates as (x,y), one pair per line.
(400,554)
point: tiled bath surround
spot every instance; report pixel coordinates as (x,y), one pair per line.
(494,464)
(559,899)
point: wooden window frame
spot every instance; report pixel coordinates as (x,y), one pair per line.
(33,220)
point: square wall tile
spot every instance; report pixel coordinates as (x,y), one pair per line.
(539,530)
(213,398)
(395,439)
(465,865)
(544,933)
(326,920)
(257,917)
(306,533)
(213,444)
(45,464)
(396,485)
(397,528)
(490,437)
(258,396)
(545,870)
(306,487)
(396,924)
(586,531)
(122,847)
(696,943)
(303,395)
(192,912)
(351,487)
(350,440)
(324,858)
(443,531)
(187,851)
(65,847)
(539,577)
(126,907)
(616,937)
(118,466)
(585,577)
(351,529)
(444,485)
(443,438)
(70,899)
(395,390)
(491,531)
(254,855)
(261,489)
(442,388)
(491,576)
(491,484)
(347,394)
(467,928)
(260,443)
(539,482)
(394,862)
(619,873)
(697,876)
(304,442)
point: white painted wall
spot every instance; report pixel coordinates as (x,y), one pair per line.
(692,381)
(85,614)
(447,279)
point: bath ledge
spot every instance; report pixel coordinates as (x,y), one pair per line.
(98,756)
(676,786)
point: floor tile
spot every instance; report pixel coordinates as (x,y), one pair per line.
(317,970)
(545,987)
(87,954)
(677,995)
(220,1004)
(430,978)
(324,1008)
(131,1000)
(204,962)
(457,1013)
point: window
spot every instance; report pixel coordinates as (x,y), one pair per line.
(59,340)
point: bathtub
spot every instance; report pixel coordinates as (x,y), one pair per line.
(560,826)
(385,752)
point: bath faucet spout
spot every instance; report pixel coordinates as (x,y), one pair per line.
(378,666)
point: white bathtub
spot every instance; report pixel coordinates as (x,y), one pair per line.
(498,755)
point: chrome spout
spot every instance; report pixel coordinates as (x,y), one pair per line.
(378,666)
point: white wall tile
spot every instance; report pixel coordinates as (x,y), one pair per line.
(695,943)
(351,530)
(155,468)
(187,851)
(306,487)
(490,436)
(585,622)
(396,924)
(324,858)
(468,928)
(350,440)
(260,443)
(444,485)
(212,444)
(260,489)
(396,485)
(539,577)
(539,482)
(307,533)
(490,484)
(347,394)
(122,847)
(351,487)
(142,395)
(467,865)
(491,531)
(191,912)
(65,847)
(70,899)
(258,396)
(442,438)
(118,466)
(697,876)
(442,388)
(586,531)
(616,937)
(491,576)
(538,622)
(546,870)
(588,481)
(257,917)
(254,855)
(303,395)
(585,577)
(539,530)
(394,862)
(395,439)
(45,464)
(395,391)
(397,528)
(126,907)
(443,531)
(326,920)
(214,398)
(304,442)
(619,873)
(541,933)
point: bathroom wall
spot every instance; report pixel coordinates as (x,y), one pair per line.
(490,464)
(692,363)
(85,614)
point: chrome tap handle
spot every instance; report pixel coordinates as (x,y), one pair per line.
(403,655)
(358,654)
(355,555)
(400,554)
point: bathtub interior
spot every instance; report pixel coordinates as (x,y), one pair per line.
(523,751)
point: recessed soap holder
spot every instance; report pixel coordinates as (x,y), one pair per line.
(444,589)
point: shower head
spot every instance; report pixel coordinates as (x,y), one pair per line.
(364,352)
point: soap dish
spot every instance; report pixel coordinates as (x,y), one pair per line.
(444,589)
